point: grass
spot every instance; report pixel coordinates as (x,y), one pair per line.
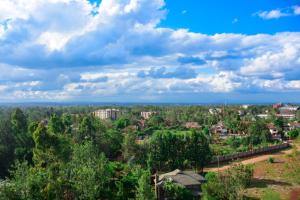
(276,180)
(270,194)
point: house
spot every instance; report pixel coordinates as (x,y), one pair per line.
(274,131)
(187,179)
(194,125)
(148,114)
(287,111)
(293,125)
(215,111)
(277,105)
(109,113)
(264,116)
(219,129)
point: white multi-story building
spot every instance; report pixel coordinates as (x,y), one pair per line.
(147,115)
(107,113)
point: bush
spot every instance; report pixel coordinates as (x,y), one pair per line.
(228,184)
(271,160)
(293,133)
(270,195)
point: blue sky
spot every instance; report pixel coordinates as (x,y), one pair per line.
(229,16)
(208,51)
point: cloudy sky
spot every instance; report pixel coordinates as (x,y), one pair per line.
(208,51)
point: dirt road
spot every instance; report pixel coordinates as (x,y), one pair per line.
(250,160)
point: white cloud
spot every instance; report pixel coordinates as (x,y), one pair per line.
(279,13)
(296,10)
(71,49)
(273,14)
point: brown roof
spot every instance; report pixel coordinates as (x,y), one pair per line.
(192,125)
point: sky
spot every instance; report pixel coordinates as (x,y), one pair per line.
(208,51)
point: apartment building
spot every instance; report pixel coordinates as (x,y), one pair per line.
(107,113)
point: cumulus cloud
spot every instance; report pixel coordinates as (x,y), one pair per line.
(279,13)
(73,49)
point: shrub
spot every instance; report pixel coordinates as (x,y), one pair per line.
(270,195)
(293,133)
(271,160)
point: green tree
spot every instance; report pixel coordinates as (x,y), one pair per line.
(129,146)
(7,146)
(89,172)
(199,153)
(176,192)
(23,139)
(67,123)
(228,185)
(259,133)
(86,129)
(144,189)
(293,133)
(56,125)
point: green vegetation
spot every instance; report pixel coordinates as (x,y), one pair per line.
(229,184)
(68,153)
(270,195)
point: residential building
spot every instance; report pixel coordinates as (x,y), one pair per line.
(194,125)
(277,105)
(293,125)
(274,131)
(219,129)
(148,114)
(107,113)
(187,179)
(215,111)
(265,116)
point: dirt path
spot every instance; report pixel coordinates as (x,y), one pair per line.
(250,160)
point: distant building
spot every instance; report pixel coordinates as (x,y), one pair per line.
(274,131)
(215,111)
(277,105)
(187,179)
(192,125)
(288,108)
(242,112)
(293,125)
(219,129)
(245,106)
(265,116)
(148,114)
(107,113)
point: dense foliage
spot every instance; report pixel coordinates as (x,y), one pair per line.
(67,153)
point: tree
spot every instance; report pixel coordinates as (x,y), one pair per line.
(122,123)
(229,184)
(129,146)
(199,153)
(23,140)
(89,172)
(56,125)
(293,133)
(259,133)
(86,129)
(144,190)
(7,146)
(176,192)
(67,123)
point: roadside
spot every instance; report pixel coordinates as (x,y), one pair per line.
(252,160)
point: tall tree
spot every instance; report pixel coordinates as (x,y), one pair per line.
(86,129)
(56,125)
(144,189)
(23,139)
(7,145)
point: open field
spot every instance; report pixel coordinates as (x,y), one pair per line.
(279,179)
(252,160)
